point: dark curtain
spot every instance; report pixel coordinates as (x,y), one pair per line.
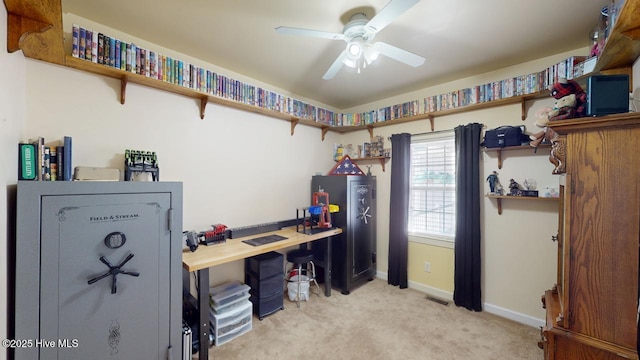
(399,209)
(467,290)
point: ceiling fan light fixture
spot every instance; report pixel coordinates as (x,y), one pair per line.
(354,49)
(370,54)
(358,33)
(352,63)
(354,53)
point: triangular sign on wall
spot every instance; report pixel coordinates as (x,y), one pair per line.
(345,166)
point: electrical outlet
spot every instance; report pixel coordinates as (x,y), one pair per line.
(427,266)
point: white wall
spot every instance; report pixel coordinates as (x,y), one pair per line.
(238,168)
(12,115)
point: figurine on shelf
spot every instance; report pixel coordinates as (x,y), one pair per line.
(514,188)
(493,182)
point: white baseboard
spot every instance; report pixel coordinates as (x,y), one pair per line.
(512,315)
(492,309)
(429,290)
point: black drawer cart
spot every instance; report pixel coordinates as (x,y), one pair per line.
(264,273)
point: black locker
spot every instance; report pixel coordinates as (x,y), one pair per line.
(354,251)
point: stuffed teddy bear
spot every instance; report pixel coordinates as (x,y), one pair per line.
(564,108)
(564,87)
(570,103)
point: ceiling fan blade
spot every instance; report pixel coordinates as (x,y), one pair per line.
(398,54)
(308,32)
(389,13)
(336,66)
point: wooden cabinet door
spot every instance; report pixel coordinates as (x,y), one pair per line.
(604,168)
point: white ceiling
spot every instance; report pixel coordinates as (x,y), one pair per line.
(458,38)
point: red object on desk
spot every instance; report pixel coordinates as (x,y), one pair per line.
(321,198)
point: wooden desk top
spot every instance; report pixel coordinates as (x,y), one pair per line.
(235,249)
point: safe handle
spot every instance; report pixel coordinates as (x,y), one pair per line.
(113,272)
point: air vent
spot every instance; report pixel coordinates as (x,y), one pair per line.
(439,301)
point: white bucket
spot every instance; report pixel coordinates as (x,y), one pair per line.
(292,288)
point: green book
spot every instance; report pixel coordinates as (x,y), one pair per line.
(27,167)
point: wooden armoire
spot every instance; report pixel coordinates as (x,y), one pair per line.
(591,313)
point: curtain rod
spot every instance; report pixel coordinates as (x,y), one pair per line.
(430,132)
(426,133)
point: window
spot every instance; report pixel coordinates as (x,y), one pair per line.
(432,198)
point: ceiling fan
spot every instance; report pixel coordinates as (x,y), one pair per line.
(358,33)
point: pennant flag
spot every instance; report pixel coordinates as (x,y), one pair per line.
(345,166)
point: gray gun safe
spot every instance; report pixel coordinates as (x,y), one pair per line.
(98,270)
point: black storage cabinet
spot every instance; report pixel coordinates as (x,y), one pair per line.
(264,273)
(353,253)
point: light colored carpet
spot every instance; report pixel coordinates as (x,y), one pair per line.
(380,321)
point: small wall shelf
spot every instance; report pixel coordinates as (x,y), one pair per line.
(529,198)
(510,148)
(381,159)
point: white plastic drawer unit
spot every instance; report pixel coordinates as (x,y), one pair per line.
(230,306)
(98,266)
(231,324)
(226,294)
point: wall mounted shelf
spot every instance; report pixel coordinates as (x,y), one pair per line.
(202,99)
(526,198)
(499,151)
(381,159)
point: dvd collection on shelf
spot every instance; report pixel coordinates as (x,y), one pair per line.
(38,161)
(103,49)
(517,86)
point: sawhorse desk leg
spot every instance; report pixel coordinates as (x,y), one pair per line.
(203,313)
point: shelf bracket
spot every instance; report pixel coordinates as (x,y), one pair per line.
(499,151)
(370,128)
(20,27)
(203,106)
(123,89)
(499,206)
(432,123)
(35,27)
(325,129)
(523,109)
(294,122)
(382,161)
